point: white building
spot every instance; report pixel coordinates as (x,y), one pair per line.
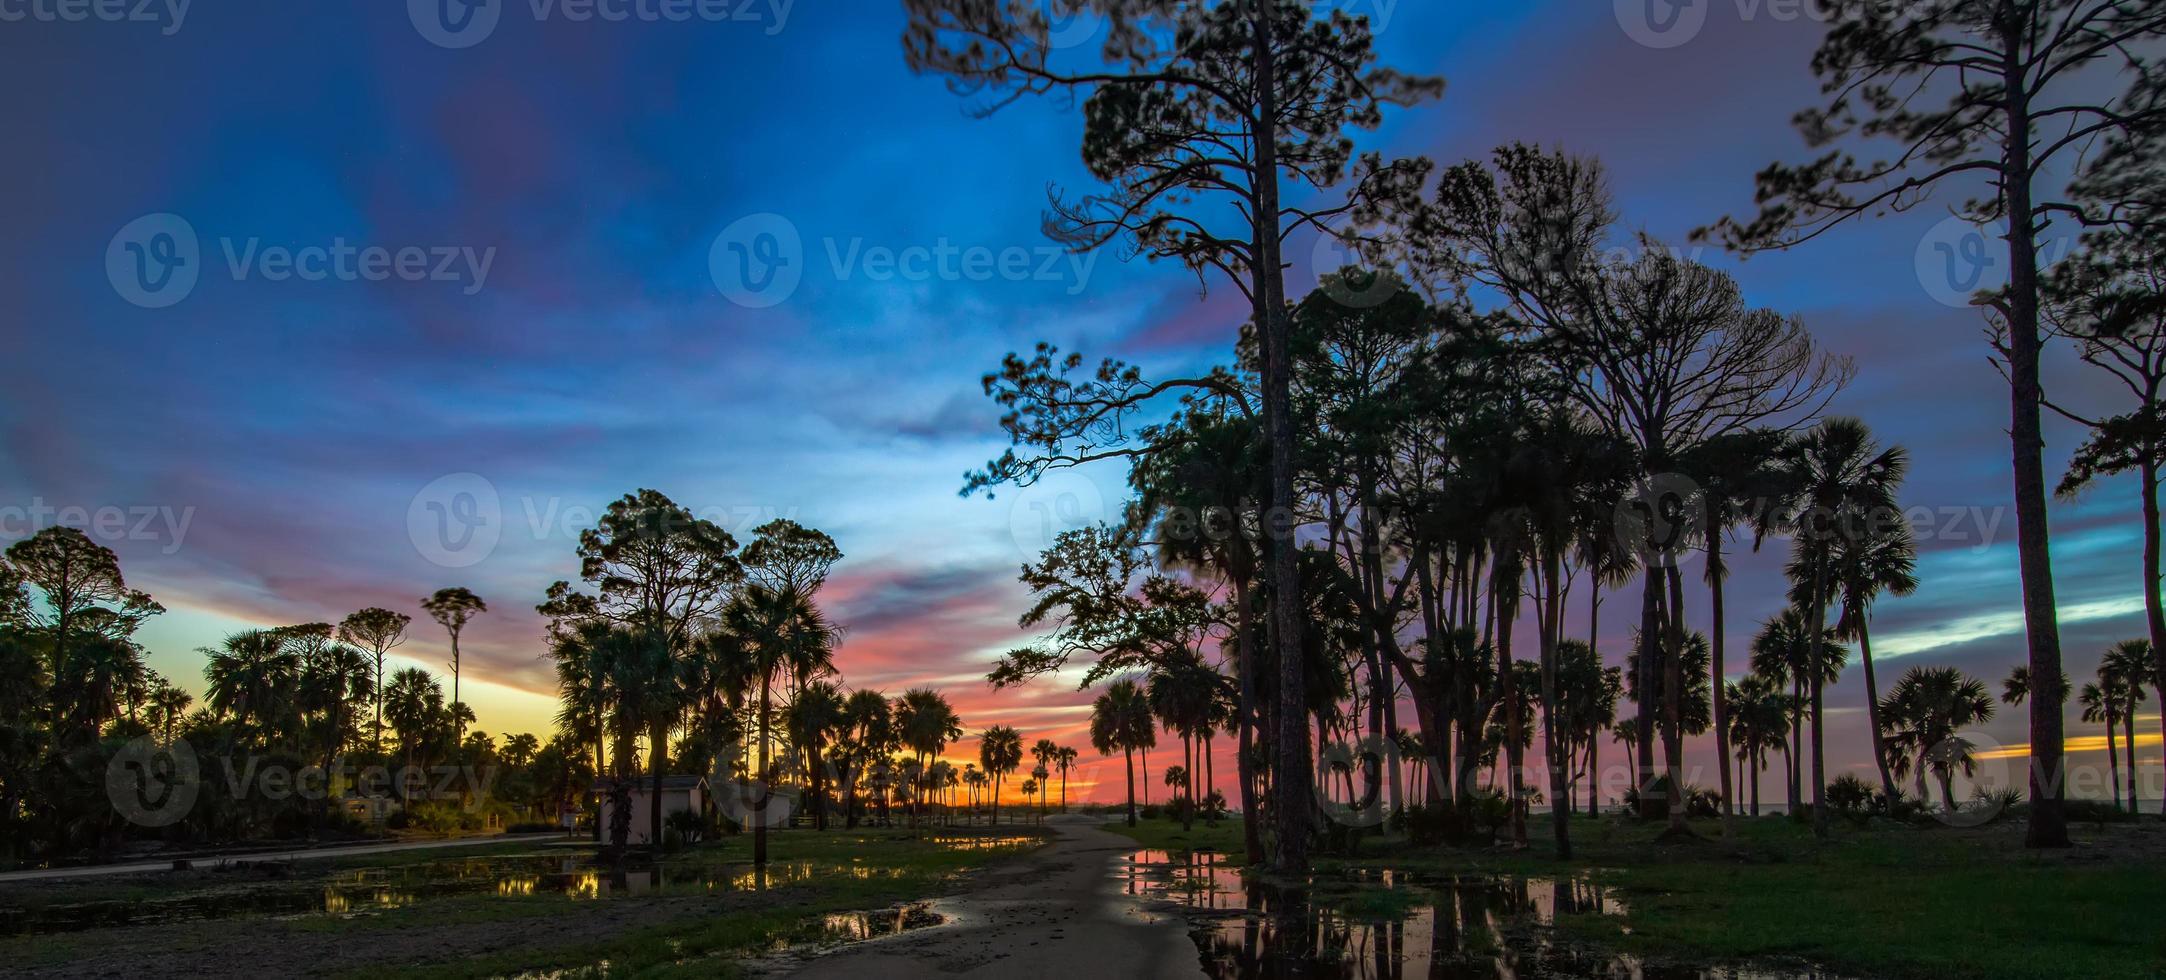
(679,793)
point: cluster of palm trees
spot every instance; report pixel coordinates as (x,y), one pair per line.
(293,698)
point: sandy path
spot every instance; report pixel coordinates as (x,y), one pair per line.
(1057,912)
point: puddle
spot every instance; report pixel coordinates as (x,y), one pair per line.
(298,890)
(1382,925)
(850,927)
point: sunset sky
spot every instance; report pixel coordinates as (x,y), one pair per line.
(300,431)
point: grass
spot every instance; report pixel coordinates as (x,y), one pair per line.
(1885,901)
(1166,835)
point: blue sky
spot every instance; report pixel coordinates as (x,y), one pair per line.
(305,428)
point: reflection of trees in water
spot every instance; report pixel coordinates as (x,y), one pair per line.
(1469,927)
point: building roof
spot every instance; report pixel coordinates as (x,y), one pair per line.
(640,784)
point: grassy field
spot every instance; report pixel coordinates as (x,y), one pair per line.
(680,929)
(1889,900)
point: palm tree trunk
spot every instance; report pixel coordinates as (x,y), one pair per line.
(1715,573)
(1651,654)
(1245,721)
(2128,726)
(759,810)
(658,754)
(2113,755)
(1872,708)
(1128,759)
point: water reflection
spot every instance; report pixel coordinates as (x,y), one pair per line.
(1382,925)
(856,926)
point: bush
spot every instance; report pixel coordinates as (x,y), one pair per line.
(688,826)
(1474,820)
(1148,812)
(1850,794)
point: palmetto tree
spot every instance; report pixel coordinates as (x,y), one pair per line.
(868,735)
(1882,557)
(1185,696)
(815,716)
(2124,671)
(167,705)
(1759,721)
(781,635)
(2103,706)
(1841,484)
(334,683)
(1926,712)
(414,704)
(1784,655)
(1046,753)
(925,722)
(1065,760)
(1000,750)
(1116,716)
(252,677)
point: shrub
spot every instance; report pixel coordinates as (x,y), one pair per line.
(1850,794)
(687,825)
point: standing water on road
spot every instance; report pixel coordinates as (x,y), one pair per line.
(1383,925)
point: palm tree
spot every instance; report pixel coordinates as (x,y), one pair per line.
(1759,721)
(1066,761)
(1783,654)
(1000,750)
(1840,483)
(167,705)
(973,781)
(1114,720)
(414,704)
(1883,557)
(1185,695)
(1046,753)
(868,735)
(2102,705)
(1926,712)
(252,678)
(778,631)
(926,723)
(814,717)
(2125,669)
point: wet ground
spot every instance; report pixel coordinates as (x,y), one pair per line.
(288,891)
(1379,925)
